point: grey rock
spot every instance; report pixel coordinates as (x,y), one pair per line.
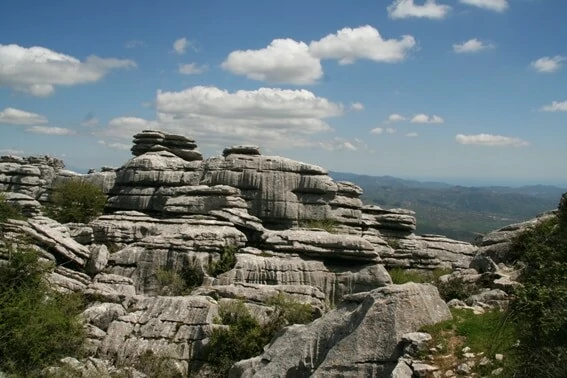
(402,370)
(98,260)
(242,149)
(361,336)
(102,314)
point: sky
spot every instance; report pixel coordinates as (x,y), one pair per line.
(471,92)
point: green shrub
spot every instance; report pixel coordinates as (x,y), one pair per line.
(324,224)
(154,365)
(7,210)
(76,201)
(227,261)
(400,276)
(245,337)
(456,289)
(176,283)
(540,308)
(38,325)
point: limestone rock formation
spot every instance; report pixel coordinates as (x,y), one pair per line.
(497,246)
(360,338)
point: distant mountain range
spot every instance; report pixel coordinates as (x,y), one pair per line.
(458,212)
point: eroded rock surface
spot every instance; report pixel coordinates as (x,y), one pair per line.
(360,338)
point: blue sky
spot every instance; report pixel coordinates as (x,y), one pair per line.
(467,91)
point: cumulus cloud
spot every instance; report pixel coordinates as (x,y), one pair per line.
(192,69)
(37,70)
(424,118)
(283,61)
(390,130)
(493,5)
(365,42)
(412,135)
(491,140)
(50,130)
(13,116)
(555,106)
(377,130)
(471,46)
(357,106)
(400,9)
(393,118)
(180,45)
(268,116)
(126,127)
(548,64)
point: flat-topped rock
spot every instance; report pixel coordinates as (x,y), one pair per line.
(247,149)
(156,141)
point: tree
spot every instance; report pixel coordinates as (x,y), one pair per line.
(38,326)
(76,201)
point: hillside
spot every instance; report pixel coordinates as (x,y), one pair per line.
(457,212)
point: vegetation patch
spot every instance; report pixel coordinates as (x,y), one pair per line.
(400,276)
(226,262)
(76,201)
(8,211)
(244,336)
(486,335)
(324,224)
(38,326)
(174,283)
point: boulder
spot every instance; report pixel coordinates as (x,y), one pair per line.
(360,338)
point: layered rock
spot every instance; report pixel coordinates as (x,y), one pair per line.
(155,141)
(428,252)
(497,247)
(360,338)
(30,176)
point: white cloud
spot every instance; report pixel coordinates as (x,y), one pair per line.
(490,140)
(493,5)
(412,135)
(471,46)
(119,146)
(126,127)
(283,61)
(134,43)
(555,106)
(365,42)
(390,130)
(180,45)
(393,118)
(192,69)
(548,64)
(37,70)
(357,106)
(49,130)
(377,131)
(424,118)
(10,151)
(19,117)
(349,146)
(406,8)
(269,117)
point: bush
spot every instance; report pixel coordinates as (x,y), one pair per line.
(180,283)
(324,224)
(38,326)
(7,210)
(456,289)
(245,337)
(76,201)
(227,261)
(540,309)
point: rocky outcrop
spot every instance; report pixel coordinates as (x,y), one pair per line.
(428,252)
(360,338)
(176,328)
(497,247)
(30,176)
